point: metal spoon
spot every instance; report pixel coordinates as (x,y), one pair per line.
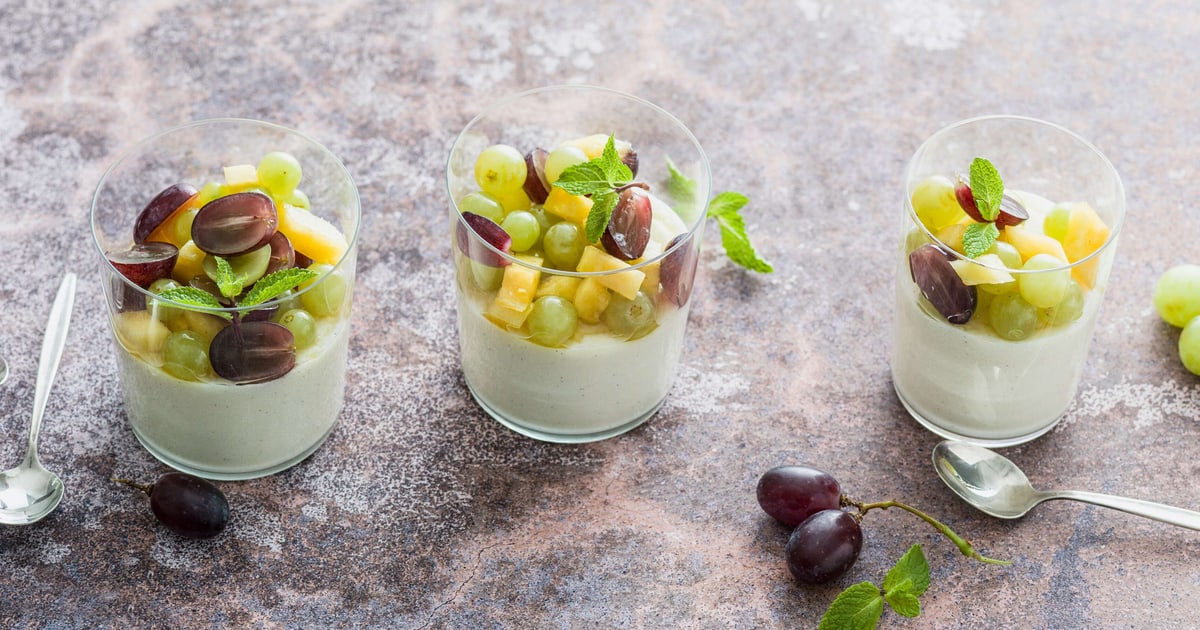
(3,371)
(994,485)
(29,492)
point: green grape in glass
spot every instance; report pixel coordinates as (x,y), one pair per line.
(185,356)
(562,158)
(563,245)
(500,170)
(552,321)
(1047,287)
(327,293)
(1011,317)
(302,325)
(523,228)
(279,173)
(482,204)
(1066,311)
(629,318)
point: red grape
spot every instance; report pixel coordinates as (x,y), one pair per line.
(235,224)
(791,494)
(940,284)
(677,272)
(252,352)
(283,256)
(824,546)
(160,207)
(1012,212)
(536,186)
(966,200)
(487,230)
(143,263)
(628,229)
(630,158)
(189,506)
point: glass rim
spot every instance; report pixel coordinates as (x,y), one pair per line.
(702,211)
(1114,229)
(351,241)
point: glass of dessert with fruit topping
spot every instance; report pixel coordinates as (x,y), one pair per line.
(1009,230)
(227,251)
(576,215)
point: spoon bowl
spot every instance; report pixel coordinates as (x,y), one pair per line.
(994,485)
(29,492)
(3,371)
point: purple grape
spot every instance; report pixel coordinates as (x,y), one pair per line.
(824,547)
(1012,212)
(939,283)
(628,230)
(677,272)
(235,224)
(252,352)
(143,263)
(160,207)
(487,230)
(283,256)
(630,158)
(536,186)
(189,506)
(791,494)
(966,200)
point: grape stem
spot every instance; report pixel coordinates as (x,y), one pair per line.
(963,545)
(641,185)
(133,484)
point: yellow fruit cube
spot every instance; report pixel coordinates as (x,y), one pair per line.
(203,324)
(1030,243)
(987,269)
(574,208)
(593,145)
(562,286)
(507,317)
(591,298)
(1086,232)
(952,236)
(189,264)
(626,283)
(241,176)
(311,235)
(519,286)
(140,332)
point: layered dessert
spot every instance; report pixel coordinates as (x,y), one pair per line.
(232,345)
(570,325)
(997,293)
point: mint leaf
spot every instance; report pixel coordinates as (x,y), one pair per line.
(910,573)
(227,281)
(614,168)
(191,296)
(904,603)
(681,187)
(272,286)
(986,187)
(602,209)
(979,238)
(586,178)
(856,608)
(724,208)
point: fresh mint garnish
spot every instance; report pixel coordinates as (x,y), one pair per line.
(860,606)
(681,188)
(987,188)
(979,238)
(191,296)
(724,208)
(227,281)
(600,178)
(275,284)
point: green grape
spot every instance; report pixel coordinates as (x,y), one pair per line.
(486,277)
(302,325)
(1177,295)
(552,321)
(1012,317)
(1007,253)
(629,318)
(482,204)
(935,204)
(210,191)
(327,296)
(247,268)
(181,229)
(561,159)
(1056,222)
(1189,346)
(185,356)
(298,199)
(279,173)
(287,301)
(914,240)
(1047,286)
(1066,311)
(564,243)
(523,228)
(500,169)
(544,219)
(164,313)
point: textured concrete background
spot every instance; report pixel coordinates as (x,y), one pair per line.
(422,512)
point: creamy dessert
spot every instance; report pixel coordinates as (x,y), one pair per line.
(570,330)
(232,322)
(992,330)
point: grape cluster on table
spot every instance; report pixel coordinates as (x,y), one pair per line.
(1177,300)
(827,539)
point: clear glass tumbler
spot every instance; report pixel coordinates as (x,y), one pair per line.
(562,340)
(991,349)
(231,390)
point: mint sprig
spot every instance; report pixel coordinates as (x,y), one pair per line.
(681,188)
(725,210)
(979,238)
(987,188)
(191,296)
(860,606)
(227,281)
(275,284)
(601,178)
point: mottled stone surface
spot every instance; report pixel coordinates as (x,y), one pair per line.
(420,511)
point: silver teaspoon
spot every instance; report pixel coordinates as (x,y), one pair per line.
(993,484)
(3,371)
(29,492)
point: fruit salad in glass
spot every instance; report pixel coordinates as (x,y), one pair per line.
(229,292)
(998,287)
(574,266)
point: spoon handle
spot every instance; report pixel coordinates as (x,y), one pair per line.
(1149,509)
(52,349)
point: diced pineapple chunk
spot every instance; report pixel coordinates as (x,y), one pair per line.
(593,145)
(987,269)
(650,284)
(519,286)
(140,332)
(189,264)
(165,230)
(1086,232)
(241,176)
(562,286)
(952,236)
(203,324)
(626,283)
(574,208)
(507,317)
(311,235)
(1030,243)
(591,298)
